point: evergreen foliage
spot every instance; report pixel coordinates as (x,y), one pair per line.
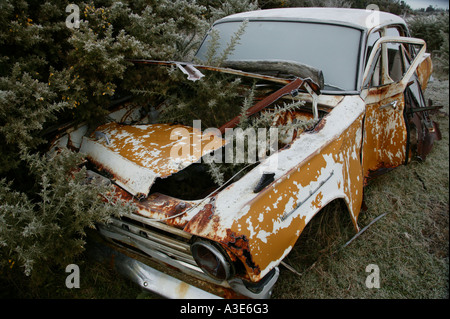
(429,28)
(51,75)
(46,228)
(434,29)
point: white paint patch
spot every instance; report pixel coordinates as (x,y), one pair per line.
(132,177)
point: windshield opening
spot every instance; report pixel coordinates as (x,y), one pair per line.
(334,49)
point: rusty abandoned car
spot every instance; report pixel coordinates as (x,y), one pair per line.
(359,77)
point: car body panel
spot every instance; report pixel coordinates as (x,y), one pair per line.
(268,224)
(138,154)
(385,135)
(363,19)
(424,71)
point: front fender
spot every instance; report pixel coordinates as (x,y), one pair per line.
(318,167)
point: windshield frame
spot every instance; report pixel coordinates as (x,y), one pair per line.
(360,55)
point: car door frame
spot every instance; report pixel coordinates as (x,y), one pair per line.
(385,137)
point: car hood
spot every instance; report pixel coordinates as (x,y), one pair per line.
(136,155)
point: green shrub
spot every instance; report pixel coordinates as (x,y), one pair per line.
(52,75)
(429,27)
(434,30)
(46,228)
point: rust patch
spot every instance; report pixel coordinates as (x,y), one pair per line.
(157,206)
(148,145)
(182,289)
(320,125)
(136,155)
(206,224)
(290,88)
(270,237)
(239,246)
(204,221)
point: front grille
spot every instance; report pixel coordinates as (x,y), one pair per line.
(158,241)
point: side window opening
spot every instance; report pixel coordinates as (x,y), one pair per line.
(389,66)
(396,68)
(414,88)
(373,37)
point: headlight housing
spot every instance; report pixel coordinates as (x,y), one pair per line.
(211,259)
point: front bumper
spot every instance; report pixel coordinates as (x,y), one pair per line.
(147,277)
(157,272)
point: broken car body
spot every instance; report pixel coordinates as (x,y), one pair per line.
(364,89)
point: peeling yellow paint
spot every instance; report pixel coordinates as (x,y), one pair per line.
(385,135)
(270,238)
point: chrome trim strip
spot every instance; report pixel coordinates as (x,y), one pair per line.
(159,240)
(159,225)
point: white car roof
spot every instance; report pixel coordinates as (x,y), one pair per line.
(364,19)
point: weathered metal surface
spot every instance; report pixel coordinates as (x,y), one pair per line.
(424,71)
(138,154)
(157,251)
(291,88)
(251,226)
(160,207)
(402,84)
(386,131)
(71,138)
(385,134)
(423,132)
(155,277)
